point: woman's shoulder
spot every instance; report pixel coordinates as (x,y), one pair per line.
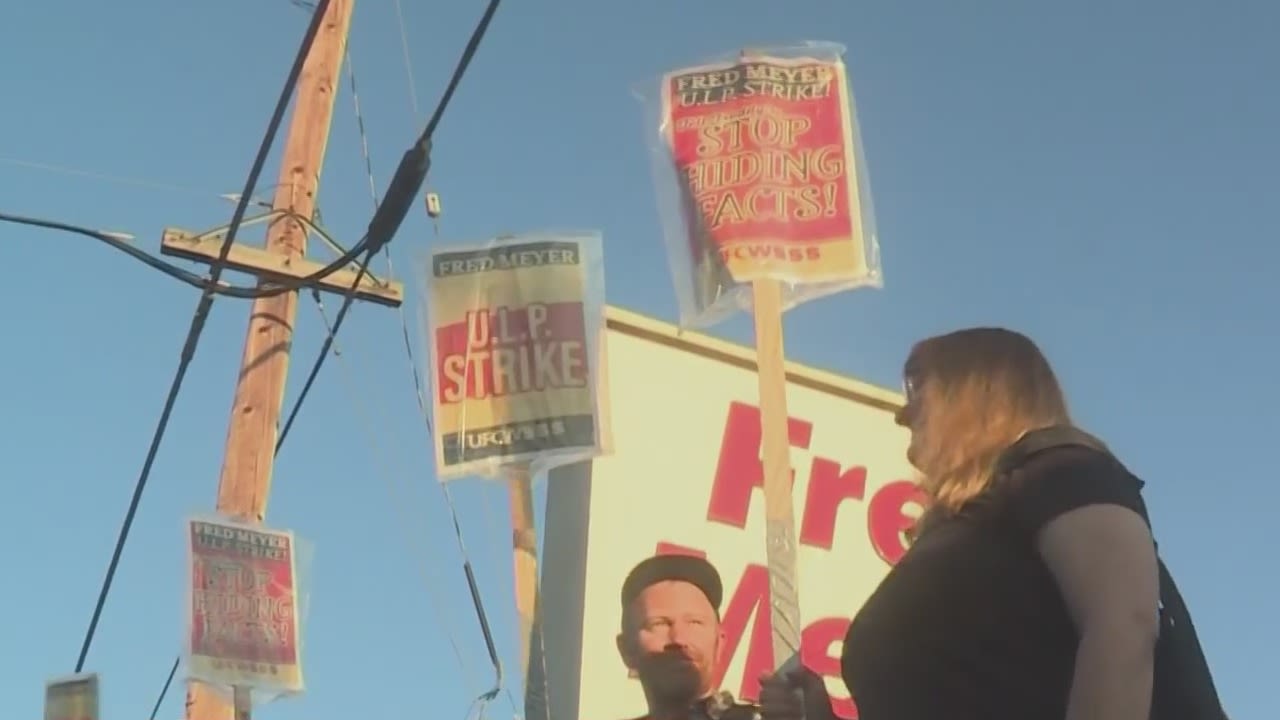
(1067,462)
(1060,479)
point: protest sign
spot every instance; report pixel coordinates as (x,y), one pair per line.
(760,175)
(243,630)
(515,326)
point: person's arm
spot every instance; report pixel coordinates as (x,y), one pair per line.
(1104,561)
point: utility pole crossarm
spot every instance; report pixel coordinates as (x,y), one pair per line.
(277,267)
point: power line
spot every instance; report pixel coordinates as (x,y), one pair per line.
(117,179)
(165,690)
(408,346)
(347,301)
(364,136)
(364,415)
(403,190)
(424,142)
(408,61)
(210,284)
(468,53)
(173,669)
(199,318)
(373,196)
(386,221)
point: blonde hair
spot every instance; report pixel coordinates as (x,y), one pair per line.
(978,390)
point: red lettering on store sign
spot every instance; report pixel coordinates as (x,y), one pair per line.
(887,521)
(745,613)
(667,548)
(828,487)
(739,473)
(739,468)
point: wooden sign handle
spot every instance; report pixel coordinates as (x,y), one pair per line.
(780,530)
(524,549)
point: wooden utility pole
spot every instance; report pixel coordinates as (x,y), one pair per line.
(245,481)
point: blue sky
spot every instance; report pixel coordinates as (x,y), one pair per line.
(1101,176)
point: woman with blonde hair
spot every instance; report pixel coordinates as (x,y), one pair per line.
(1032,589)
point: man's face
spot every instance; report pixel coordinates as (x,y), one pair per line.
(671,641)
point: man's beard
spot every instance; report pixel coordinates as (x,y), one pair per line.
(670,678)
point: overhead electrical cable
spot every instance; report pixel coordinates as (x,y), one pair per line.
(401,193)
(164,691)
(199,318)
(115,179)
(389,215)
(209,283)
(155,711)
(424,144)
(365,417)
(423,147)
(408,60)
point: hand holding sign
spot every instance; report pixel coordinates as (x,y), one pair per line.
(799,694)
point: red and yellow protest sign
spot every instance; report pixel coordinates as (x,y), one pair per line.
(766,155)
(516,326)
(72,698)
(243,628)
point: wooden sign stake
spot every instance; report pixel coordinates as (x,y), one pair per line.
(780,530)
(524,549)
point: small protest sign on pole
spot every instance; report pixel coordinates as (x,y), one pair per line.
(516,327)
(74,697)
(765,204)
(243,634)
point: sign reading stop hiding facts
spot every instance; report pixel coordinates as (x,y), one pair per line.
(760,176)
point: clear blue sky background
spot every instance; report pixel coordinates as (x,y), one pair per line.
(1100,175)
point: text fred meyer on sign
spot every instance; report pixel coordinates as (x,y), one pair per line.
(511,353)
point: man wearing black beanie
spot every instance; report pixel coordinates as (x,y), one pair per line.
(670,639)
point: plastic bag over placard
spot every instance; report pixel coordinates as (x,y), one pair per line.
(759,171)
(244,611)
(516,328)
